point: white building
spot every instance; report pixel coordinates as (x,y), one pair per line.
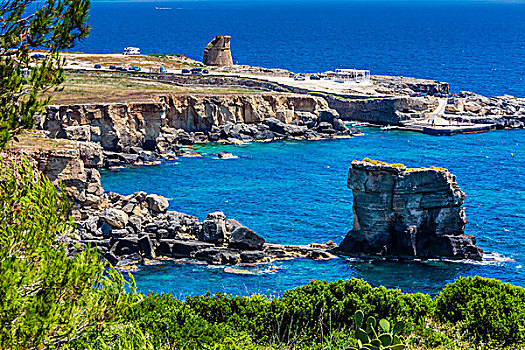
(131,51)
(352,76)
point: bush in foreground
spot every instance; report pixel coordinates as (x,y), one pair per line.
(488,309)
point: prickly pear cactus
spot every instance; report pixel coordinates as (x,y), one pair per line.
(369,339)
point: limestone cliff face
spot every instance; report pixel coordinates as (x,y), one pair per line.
(200,113)
(72,165)
(407,212)
(113,125)
(218,53)
(119,126)
(382,111)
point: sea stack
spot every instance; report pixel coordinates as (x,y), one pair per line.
(217,52)
(402,212)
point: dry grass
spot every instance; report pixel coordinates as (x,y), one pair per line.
(108,87)
(170,62)
(34,139)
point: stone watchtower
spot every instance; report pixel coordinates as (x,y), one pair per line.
(217,52)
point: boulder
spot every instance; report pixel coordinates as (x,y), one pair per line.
(339,125)
(217,255)
(244,238)
(275,125)
(114,217)
(156,203)
(146,247)
(125,246)
(254,256)
(325,128)
(213,228)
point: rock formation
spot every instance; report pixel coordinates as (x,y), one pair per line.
(383,111)
(503,111)
(217,52)
(127,131)
(405,212)
(129,229)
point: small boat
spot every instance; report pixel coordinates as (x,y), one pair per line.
(357,124)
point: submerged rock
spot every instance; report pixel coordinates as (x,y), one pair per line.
(407,212)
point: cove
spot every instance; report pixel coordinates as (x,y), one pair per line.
(295,192)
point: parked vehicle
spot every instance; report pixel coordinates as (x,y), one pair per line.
(112,67)
(134,68)
(38,56)
(130,50)
(97,66)
(291,75)
(186,71)
(314,77)
(205,71)
(299,77)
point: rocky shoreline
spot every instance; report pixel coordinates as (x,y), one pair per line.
(131,230)
(140,133)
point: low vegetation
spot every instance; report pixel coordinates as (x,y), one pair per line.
(399,165)
(107,87)
(60,296)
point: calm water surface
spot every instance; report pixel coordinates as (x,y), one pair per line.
(476,46)
(295,192)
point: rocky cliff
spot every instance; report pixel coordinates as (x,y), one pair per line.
(414,213)
(382,111)
(185,119)
(70,164)
(218,53)
(503,111)
(407,85)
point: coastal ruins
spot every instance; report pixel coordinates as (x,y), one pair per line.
(402,212)
(218,53)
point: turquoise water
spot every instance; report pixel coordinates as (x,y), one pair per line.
(295,192)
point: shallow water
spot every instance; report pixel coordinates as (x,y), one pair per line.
(295,192)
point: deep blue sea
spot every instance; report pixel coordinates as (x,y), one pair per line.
(295,192)
(474,45)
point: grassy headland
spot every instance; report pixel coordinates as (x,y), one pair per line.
(99,87)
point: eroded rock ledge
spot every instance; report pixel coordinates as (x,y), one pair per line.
(402,212)
(187,119)
(128,230)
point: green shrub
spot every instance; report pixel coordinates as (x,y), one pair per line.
(319,308)
(168,322)
(50,294)
(487,308)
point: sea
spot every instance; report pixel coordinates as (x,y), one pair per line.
(295,192)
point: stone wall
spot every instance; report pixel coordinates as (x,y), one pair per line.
(414,213)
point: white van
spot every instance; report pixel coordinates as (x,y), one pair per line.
(131,51)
